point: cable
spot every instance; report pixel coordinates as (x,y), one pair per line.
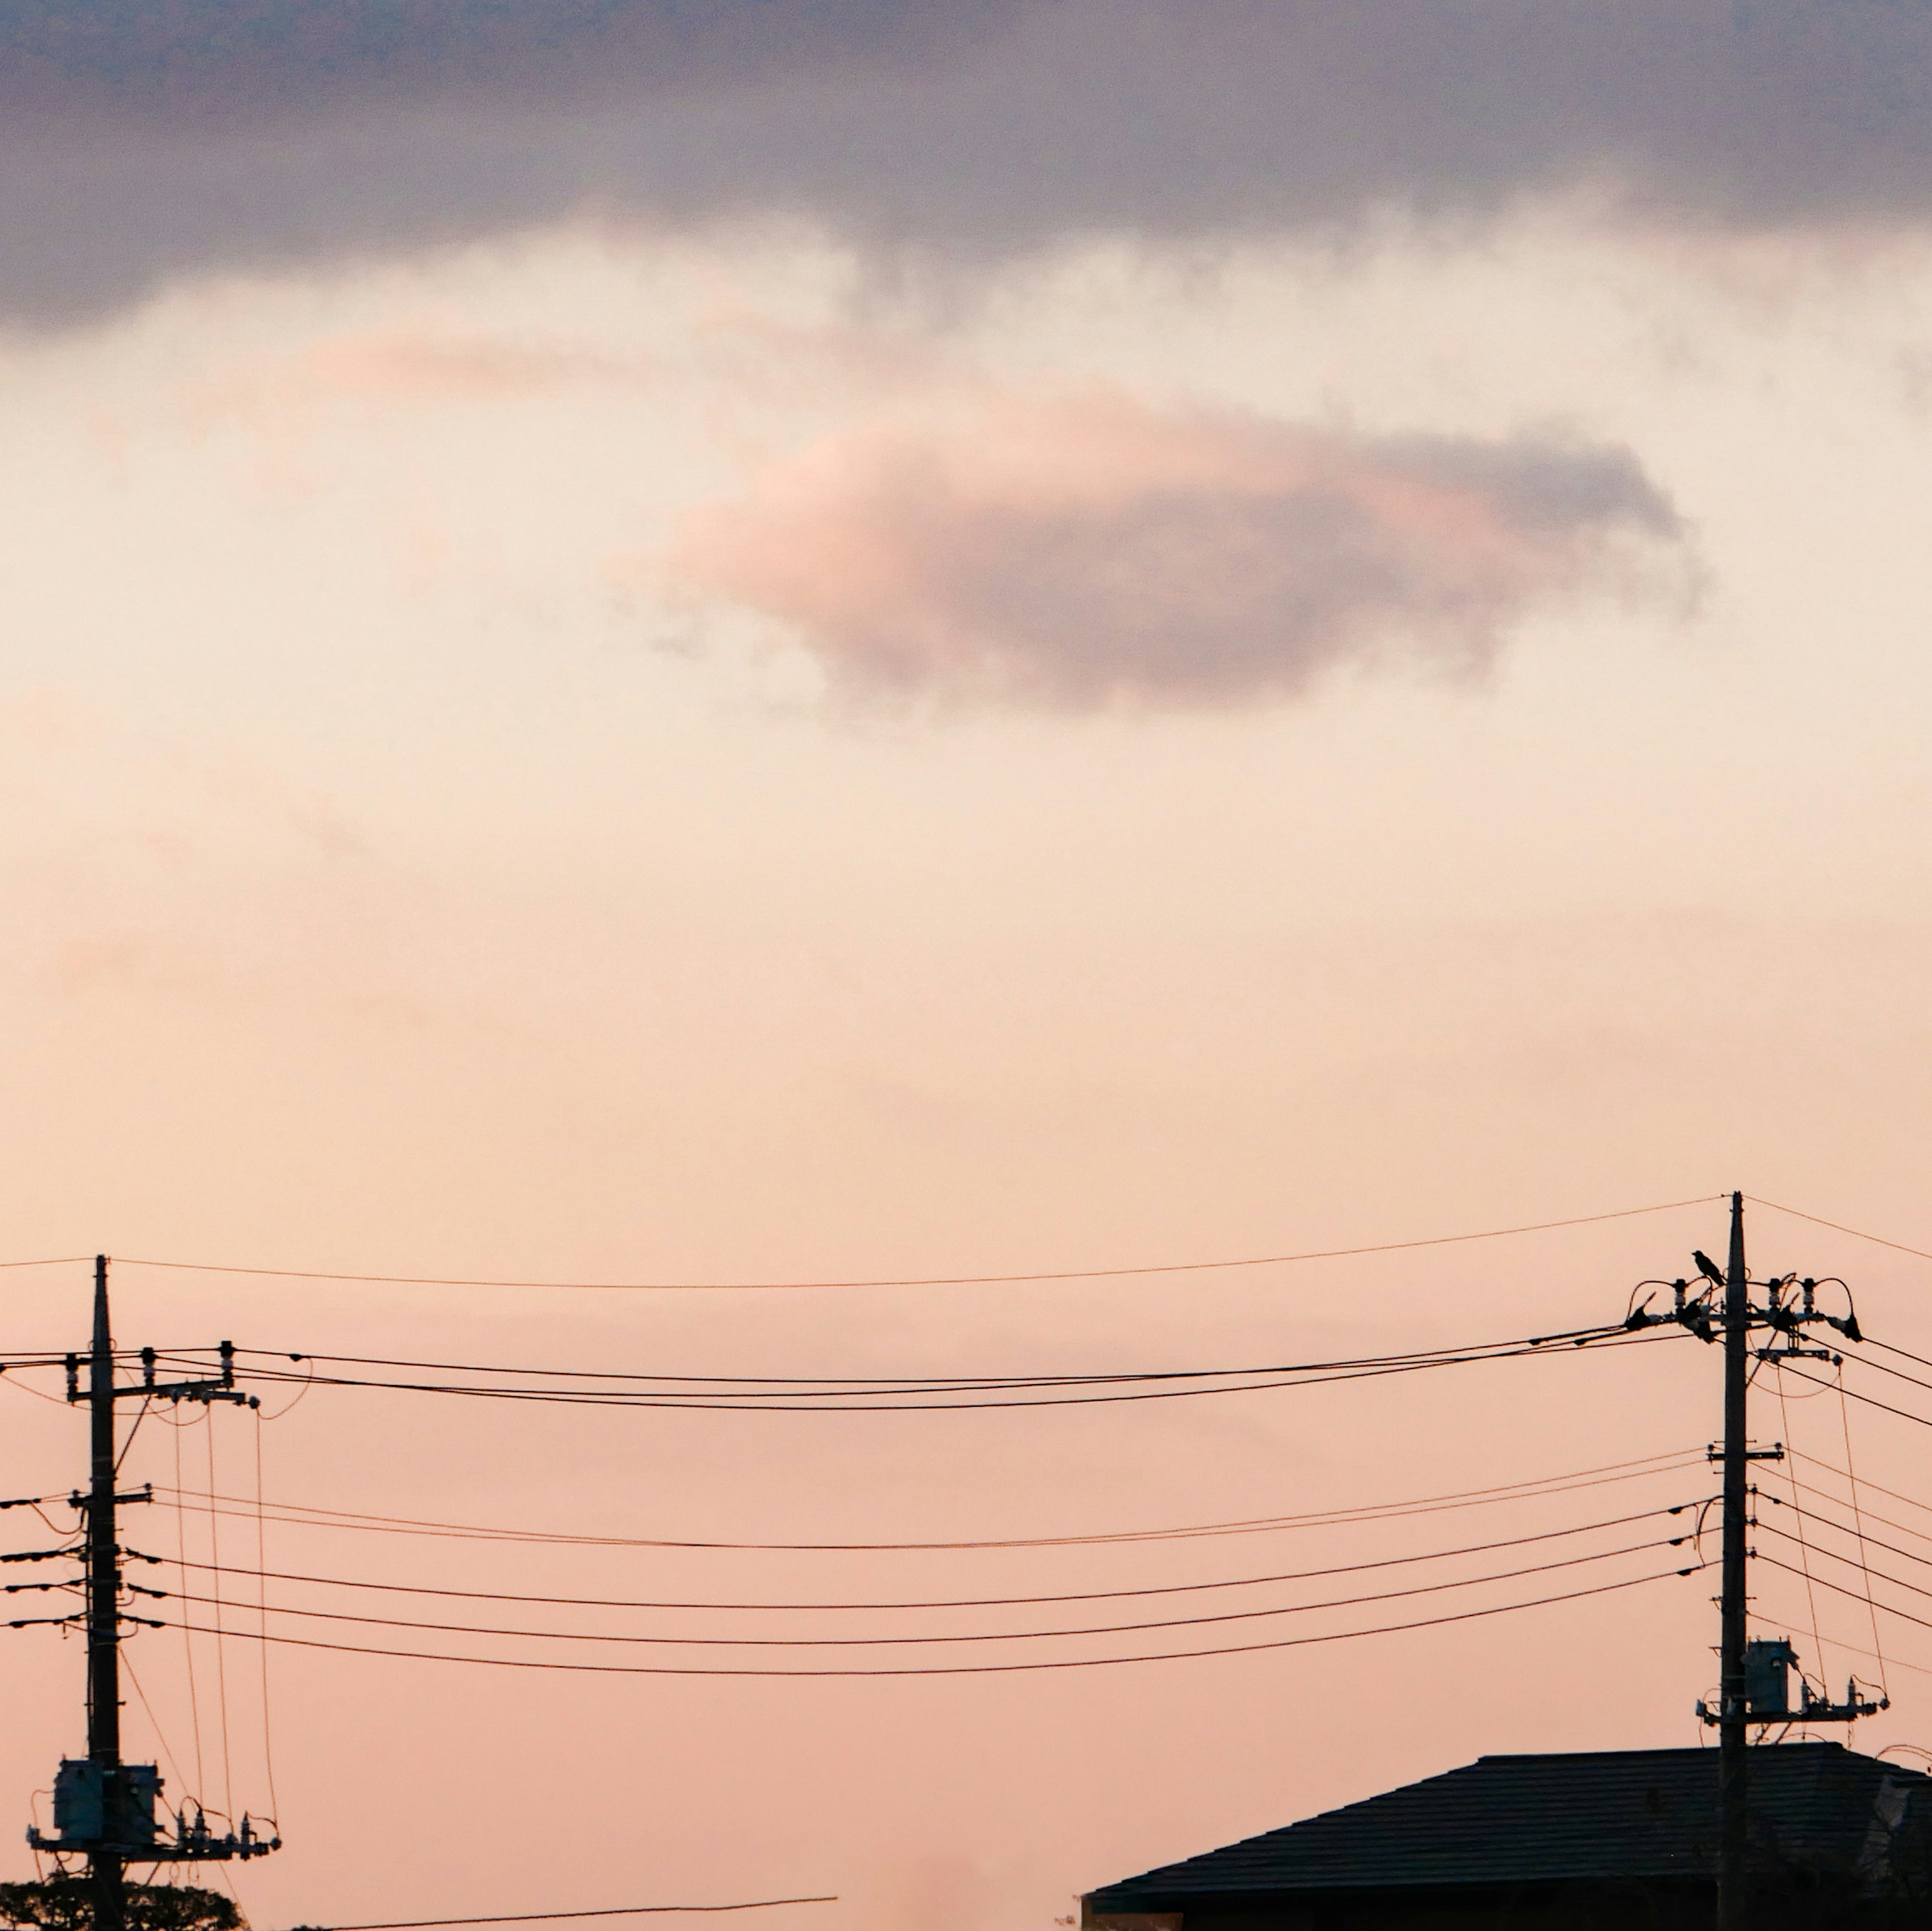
(1784,1415)
(975,1602)
(1824,1582)
(902,1281)
(1606,1339)
(1910,1501)
(161,1736)
(58,1260)
(1896,1374)
(961,1382)
(1870,1401)
(221,1648)
(288,1407)
(187,1641)
(989,1668)
(975,1636)
(1849,1561)
(1826,1522)
(262,1603)
(547,1917)
(1672,1461)
(1858,1519)
(1876,1240)
(1923,1361)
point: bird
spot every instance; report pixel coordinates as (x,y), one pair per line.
(1707,1267)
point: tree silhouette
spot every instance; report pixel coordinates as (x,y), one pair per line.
(66,1904)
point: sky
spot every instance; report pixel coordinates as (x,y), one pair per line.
(739,643)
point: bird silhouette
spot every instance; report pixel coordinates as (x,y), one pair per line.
(1707,1267)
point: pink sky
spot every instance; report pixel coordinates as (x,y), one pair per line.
(569,746)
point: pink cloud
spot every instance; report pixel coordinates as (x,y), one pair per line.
(1097,550)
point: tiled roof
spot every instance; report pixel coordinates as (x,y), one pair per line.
(1606,1814)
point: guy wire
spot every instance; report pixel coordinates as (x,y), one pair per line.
(1804,1554)
(1858,1518)
(262,1603)
(221,1648)
(187,1641)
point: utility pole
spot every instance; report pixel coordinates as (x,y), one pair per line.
(105,1864)
(1752,1675)
(1733,1807)
(104,1808)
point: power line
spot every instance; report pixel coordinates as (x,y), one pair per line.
(1837,1227)
(962,1382)
(1910,1501)
(961,1602)
(975,1669)
(1850,1562)
(1825,1521)
(903,1281)
(971,1636)
(1603,1338)
(1670,1462)
(1856,1596)
(1870,1401)
(1885,1522)
(550,1916)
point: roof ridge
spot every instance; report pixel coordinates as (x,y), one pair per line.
(1657,1750)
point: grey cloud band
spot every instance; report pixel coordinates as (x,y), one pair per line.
(139,144)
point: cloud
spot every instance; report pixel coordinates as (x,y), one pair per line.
(140,144)
(1096,551)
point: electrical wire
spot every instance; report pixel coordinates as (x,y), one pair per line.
(187,1641)
(990,1668)
(971,1636)
(1910,1501)
(960,1383)
(1825,1521)
(1849,1561)
(1876,1240)
(1884,1521)
(1906,1352)
(1858,1519)
(975,1602)
(549,1917)
(154,1722)
(1870,1401)
(1603,1338)
(930,1281)
(1671,1461)
(1804,1559)
(882,1402)
(262,1604)
(1896,1374)
(1825,1582)
(220,1647)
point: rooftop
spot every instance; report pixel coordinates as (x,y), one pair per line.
(1591,1815)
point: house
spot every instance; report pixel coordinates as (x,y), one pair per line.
(1595,1841)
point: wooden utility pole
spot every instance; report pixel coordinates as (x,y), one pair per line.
(1733,1759)
(104,1861)
(104,1809)
(1722,1310)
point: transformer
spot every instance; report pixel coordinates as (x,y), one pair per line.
(1768,1662)
(81,1807)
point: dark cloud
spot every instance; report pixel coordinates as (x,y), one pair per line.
(140,138)
(1098,552)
